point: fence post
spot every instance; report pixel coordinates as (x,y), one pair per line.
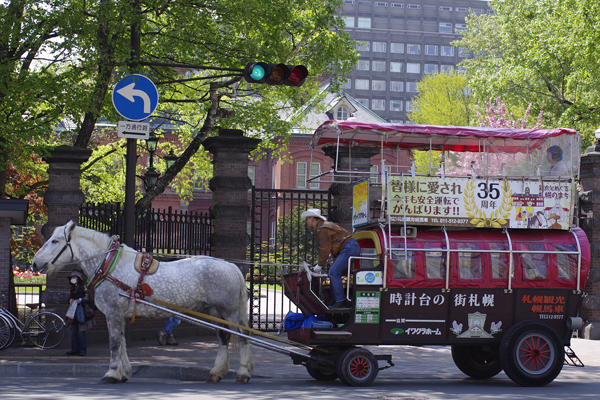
(589,202)
(349,159)
(230,184)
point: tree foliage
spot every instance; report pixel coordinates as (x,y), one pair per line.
(91,51)
(443,99)
(540,52)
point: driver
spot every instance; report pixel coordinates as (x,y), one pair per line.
(334,240)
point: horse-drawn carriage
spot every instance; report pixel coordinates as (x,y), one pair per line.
(476,247)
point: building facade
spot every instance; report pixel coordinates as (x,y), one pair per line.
(400,42)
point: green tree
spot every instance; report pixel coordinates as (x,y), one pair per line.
(443,99)
(93,51)
(543,52)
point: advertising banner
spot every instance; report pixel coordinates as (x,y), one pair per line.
(481,203)
(360,203)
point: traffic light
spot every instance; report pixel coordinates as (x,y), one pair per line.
(275,74)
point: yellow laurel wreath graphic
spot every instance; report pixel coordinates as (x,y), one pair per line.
(479,218)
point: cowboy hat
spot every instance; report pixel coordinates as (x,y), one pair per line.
(312,212)
(554,216)
(77,274)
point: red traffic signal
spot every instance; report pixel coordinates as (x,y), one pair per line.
(275,74)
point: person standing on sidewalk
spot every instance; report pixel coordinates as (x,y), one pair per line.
(166,335)
(334,240)
(78,339)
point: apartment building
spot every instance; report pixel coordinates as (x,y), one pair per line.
(400,43)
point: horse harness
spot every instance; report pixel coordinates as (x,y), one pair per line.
(103,272)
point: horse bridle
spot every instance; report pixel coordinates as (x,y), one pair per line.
(67,244)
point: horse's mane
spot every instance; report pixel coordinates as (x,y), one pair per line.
(92,235)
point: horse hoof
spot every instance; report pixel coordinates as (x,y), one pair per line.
(242,379)
(109,379)
(214,379)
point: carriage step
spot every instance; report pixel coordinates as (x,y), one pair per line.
(332,335)
(571,358)
(384,357)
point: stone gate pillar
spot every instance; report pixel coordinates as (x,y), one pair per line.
(589,220)
(348,159)
(63,198)
(230,184)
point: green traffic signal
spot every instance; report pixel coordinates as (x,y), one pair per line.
(275,74)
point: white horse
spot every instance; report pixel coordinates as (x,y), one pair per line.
(204,284)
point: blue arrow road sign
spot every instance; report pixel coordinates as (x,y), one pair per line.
(135,97)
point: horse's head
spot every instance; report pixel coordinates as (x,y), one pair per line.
(58,247)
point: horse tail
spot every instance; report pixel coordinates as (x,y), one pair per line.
(243,308)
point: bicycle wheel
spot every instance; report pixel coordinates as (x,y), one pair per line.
(45,329)
(7,332)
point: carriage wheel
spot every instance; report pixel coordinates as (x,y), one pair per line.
(7,332)
(46,330)
(478,362)
(319,371)
(531,354)
(357,367)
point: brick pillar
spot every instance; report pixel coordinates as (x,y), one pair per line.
(230,184)
(349,159)
(63,198)
(5,264)
(589,220)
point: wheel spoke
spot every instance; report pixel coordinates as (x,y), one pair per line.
(359,367)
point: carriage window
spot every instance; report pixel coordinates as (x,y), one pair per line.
(369,252)
(435,262)
(404,264)
(534,265)
(566,263)
(469,264)
(500,261)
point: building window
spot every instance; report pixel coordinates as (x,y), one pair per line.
(445,27)
(379,4)
(251,170)
(349,1)
(409,108)
(395,105)
(396,86)
(447,51)
(396,67)
(463,52)
(397,48)
(411,87)
(364,3)
(364,22)
(378,65)
(413,68)
(377,85)
(477,10)
(429,8)
(431,68)
(413,49)
(378,104)
(431,50)
(315,169)
(363,65)
(398,5)
(462,9)
(362,84)
(347,84)
(342,113)
(443,8)
(349,22)
(447,68)
(413,6)
(460,27)
(364,46)
(364,102)
(379,47)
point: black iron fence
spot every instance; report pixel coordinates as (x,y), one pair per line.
(279,237)
(156,231)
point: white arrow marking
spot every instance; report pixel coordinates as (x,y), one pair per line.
(129,93)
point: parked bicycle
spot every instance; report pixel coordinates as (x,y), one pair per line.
(44,329)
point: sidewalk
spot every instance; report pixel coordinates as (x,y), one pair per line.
(194,357)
